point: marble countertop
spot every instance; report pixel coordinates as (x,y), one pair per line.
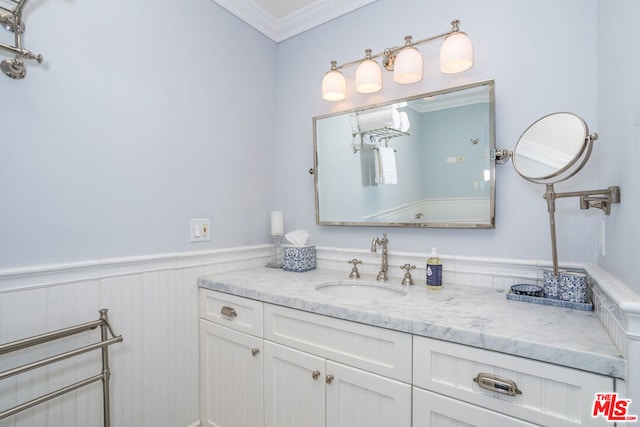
(474,316)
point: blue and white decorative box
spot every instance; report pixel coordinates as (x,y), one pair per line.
(299,258)
(573,287)
(550,283)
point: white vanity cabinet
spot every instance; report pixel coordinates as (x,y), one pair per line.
(339,373)
(231,361)
(273,366)
(447,376)
(308,370)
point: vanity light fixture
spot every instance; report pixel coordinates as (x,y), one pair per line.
(456,56)
(368,75)
(334,86)
(408,65)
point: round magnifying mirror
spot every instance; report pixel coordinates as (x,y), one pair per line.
(553,148)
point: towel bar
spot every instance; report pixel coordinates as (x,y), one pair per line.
(103,344)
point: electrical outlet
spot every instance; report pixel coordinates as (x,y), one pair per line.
(602,238)
(200,230)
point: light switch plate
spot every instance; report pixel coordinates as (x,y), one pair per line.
(200,230)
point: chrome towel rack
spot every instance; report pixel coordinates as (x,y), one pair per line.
(104,375)
(11,20)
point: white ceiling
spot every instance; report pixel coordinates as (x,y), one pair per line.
(281,19)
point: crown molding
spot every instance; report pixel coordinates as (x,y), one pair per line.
(296,22)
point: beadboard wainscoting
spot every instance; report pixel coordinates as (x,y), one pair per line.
(153,304)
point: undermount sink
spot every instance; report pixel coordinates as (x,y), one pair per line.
(360,290)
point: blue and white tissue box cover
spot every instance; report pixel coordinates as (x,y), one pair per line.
(299,258)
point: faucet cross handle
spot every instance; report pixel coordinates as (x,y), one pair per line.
(355,274)
(407,280)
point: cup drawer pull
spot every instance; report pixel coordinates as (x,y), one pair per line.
(497,384)
(228,311)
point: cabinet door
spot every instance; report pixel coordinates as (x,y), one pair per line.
(294,387)
(231,377)
(356,398)
(435,410)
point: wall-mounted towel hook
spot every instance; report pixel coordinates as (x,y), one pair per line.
(12,21)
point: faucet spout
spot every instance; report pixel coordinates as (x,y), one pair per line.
(384,268)
(375,243)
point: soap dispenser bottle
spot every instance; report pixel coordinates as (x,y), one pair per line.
(434,271)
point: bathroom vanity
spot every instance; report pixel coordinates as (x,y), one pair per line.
(281,349)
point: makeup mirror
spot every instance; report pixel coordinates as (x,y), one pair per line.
(553,149)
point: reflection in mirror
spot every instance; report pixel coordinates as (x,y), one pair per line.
(424,161)
(551,147)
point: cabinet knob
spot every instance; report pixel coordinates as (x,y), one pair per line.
(228,311)
(315,375)
(329,379)
(255,351)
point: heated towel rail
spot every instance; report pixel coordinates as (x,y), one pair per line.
(105,374)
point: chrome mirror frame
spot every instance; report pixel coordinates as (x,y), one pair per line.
(491,156)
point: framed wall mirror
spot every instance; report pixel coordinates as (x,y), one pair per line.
(423,161)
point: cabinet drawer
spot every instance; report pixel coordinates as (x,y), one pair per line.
(241,314)
(370,348)
(548,394)
(435,410)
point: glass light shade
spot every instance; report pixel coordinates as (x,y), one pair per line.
(368,77)
(456,53)
(408,66)
(334,86)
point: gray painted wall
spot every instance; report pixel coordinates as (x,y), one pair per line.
(143,116)
(139,121)
(619,130)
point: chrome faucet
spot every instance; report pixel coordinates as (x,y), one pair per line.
(384,268)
